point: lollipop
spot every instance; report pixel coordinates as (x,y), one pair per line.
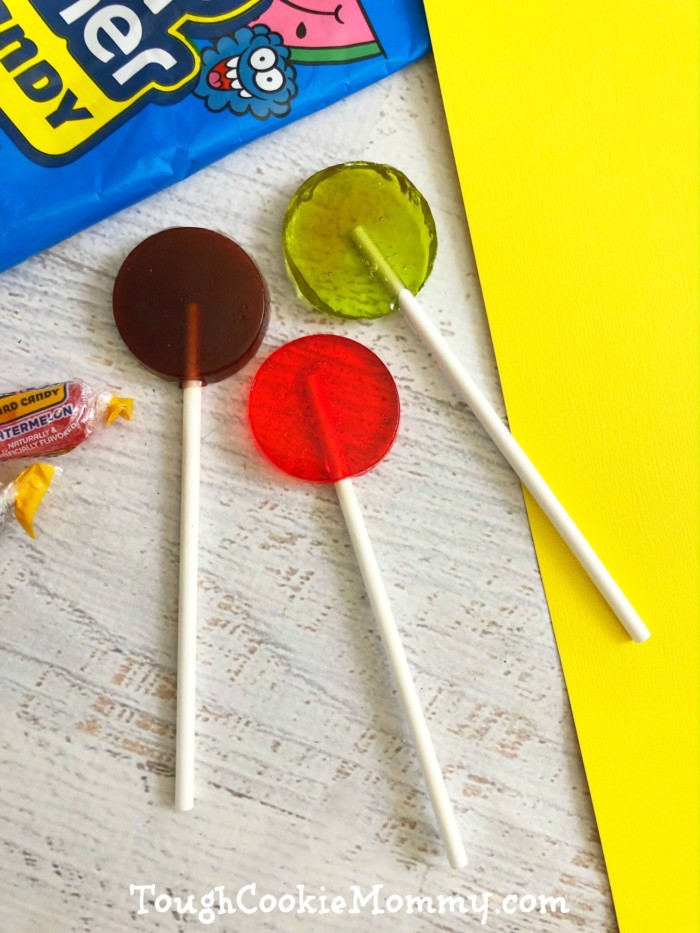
(325,408)
(359,240)
(192,306)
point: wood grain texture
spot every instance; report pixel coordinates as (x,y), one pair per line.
(304,772)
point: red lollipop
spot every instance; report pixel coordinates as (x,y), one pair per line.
(325,408)
(192,306)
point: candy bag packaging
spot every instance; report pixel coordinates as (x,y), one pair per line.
(54,419)
(103,102)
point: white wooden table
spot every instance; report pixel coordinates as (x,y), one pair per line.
(305,775)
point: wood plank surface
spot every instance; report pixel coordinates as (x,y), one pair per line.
(305,774)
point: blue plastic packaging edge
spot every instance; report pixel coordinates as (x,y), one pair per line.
(69,158)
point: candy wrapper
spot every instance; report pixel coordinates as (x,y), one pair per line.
(103,103)
(54,419)
(23,495)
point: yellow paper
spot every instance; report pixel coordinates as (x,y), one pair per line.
(575,131)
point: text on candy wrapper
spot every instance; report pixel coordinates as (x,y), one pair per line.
(67,70)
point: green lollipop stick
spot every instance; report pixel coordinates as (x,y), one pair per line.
(376,210)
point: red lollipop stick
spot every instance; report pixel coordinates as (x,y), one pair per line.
(325,408)
(192,307)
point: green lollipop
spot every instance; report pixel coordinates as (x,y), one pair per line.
(359,240)
(333,277)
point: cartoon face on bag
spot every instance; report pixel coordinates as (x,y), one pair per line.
(248,72)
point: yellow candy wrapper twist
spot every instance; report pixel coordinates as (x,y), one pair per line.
(119,408)
(25,493)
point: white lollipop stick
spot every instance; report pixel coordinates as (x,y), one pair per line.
(189,544)
(379,600)
(504,440)
(187,619)
(402,674)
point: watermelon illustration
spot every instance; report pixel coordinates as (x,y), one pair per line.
(319,32)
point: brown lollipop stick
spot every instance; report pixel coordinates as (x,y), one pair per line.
(192,340)
(192,306)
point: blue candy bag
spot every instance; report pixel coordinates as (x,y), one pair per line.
(103,102)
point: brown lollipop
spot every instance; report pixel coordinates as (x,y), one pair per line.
(191,306)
